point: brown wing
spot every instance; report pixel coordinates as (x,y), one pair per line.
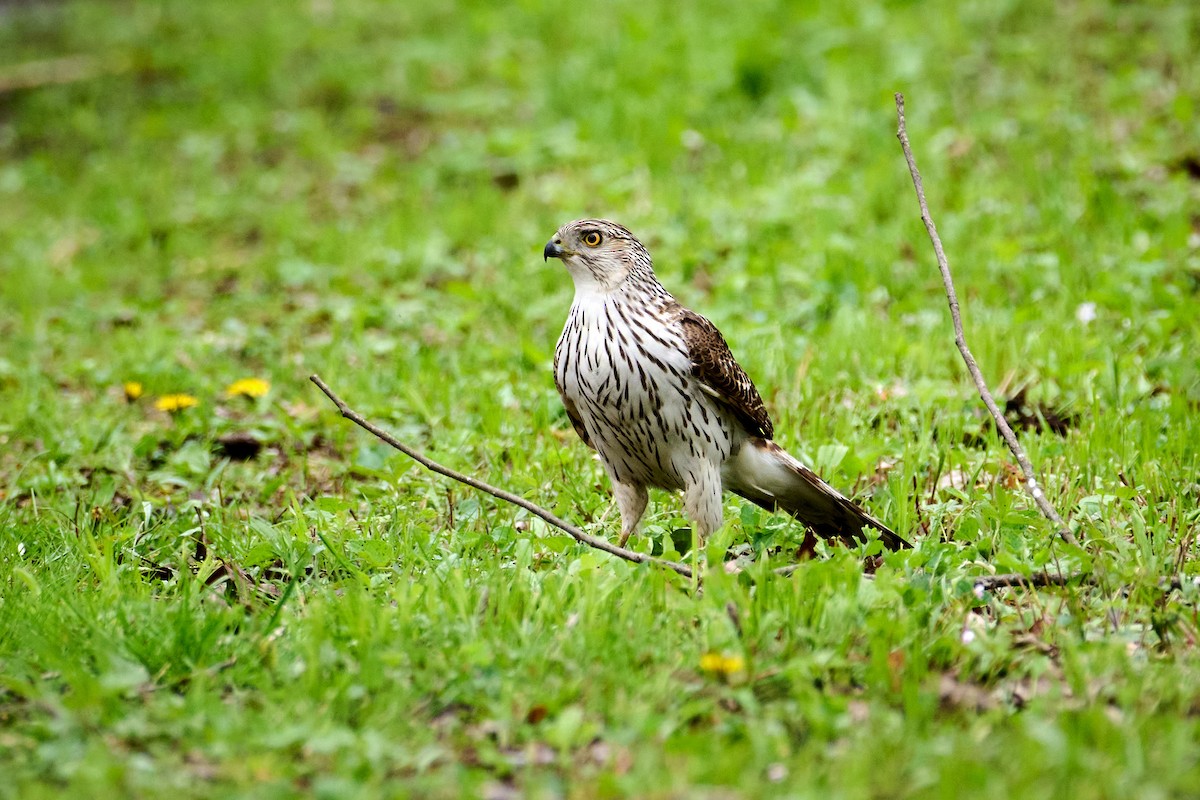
(721,376)
(572,413)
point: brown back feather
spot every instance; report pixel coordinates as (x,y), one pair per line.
(716,368)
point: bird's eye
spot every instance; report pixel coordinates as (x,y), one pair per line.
(592,238)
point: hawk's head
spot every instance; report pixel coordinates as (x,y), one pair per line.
(599,254)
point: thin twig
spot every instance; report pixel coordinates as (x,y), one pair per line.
(508,497)
(1042,579)
(1006,432)
(67,69)
(986,583)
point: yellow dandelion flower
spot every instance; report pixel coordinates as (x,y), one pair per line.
(722,665)
(133,390)
(175,402)
(248,387)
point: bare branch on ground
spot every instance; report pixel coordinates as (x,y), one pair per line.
(51,71)
(1033,580)
(1006,432)
(508,497)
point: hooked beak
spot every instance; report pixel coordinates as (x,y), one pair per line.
(552,250)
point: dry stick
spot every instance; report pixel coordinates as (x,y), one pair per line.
(67,69)
(1036,579)
(1006,432)
(508,497)
(1039,579)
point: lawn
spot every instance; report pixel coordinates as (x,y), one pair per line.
(212,585)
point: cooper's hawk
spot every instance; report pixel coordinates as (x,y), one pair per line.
(654,389)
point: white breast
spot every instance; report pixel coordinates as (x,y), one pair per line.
(631,384)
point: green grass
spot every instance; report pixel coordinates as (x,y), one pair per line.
(271,189)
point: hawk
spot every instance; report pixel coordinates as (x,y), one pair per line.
(654,389)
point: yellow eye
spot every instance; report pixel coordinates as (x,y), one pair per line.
(592,238)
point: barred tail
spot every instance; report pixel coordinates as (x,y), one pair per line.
(765,474)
